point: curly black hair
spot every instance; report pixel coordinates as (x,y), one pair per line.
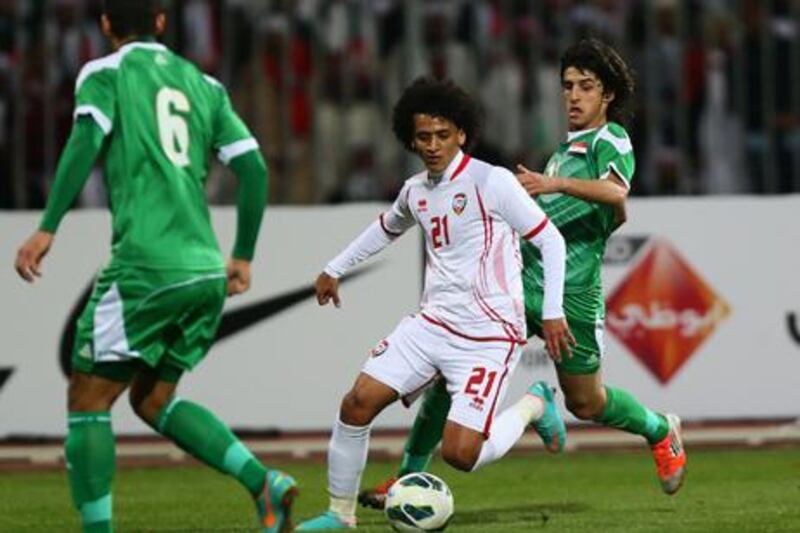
(437,98)
(132,17)
(616,76)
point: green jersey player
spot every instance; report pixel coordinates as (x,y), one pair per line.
(155,307)
(583,190)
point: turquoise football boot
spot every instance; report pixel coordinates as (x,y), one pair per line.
(326,521)
(274,504)
(550,426)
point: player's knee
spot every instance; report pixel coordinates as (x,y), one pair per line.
(461,456)
(584,407)
(86,393)
(148,406)
(357,409)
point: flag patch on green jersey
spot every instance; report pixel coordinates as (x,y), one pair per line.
(578,148)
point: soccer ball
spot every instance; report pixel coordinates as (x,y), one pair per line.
(419,502)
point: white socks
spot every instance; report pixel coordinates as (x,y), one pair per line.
(347,457)
(508,428)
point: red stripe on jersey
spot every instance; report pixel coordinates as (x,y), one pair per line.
(488,238)
(470,337)
(488,426)
(535,231)
(500,268)
(494,316)
(488,252)
(461,167)
(483,219)
(390,233)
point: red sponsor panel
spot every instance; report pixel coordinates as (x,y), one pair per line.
(663,311)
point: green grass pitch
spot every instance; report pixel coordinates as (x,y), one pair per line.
(742,490)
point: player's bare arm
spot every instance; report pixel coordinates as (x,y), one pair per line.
(558,338)
(29,256)
(238,271)
(327,289)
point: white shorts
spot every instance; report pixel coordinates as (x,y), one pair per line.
(477,372)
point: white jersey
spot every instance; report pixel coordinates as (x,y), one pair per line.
(472,218)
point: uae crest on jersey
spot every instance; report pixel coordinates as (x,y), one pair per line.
(459,203)
(379,348)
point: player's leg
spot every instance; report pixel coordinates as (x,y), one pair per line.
(550,425)
(537,408)
(425,435)
(468,449)
(588,398)
(397,368)
(478,378)
(195,429)
(347,451)
(94,386)
(205,437)
(427,430)
(89,448)
(193,311)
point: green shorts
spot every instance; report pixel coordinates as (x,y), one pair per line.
(138,318)
(585,312)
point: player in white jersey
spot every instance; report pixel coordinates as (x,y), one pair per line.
(471,322)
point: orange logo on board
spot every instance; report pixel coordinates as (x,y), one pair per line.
(663,311)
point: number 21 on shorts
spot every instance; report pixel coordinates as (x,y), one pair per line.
(475,384)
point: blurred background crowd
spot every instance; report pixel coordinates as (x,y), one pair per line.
(718,110)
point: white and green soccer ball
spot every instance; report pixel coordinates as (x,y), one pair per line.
(419,502)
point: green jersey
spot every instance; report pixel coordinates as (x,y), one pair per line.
(586,226)
(162,117)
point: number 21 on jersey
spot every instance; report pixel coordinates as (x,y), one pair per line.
(172,127)
(440,232)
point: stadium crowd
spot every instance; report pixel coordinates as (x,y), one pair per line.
(315,79)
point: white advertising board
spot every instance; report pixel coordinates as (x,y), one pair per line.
(287,369)
(701,299)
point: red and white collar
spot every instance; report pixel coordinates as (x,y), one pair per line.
(456,166)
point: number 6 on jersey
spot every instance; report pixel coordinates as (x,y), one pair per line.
(172,127)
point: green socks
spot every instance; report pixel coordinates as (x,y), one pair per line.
(427,429)
(624,412)
(89,452)
(201,434)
